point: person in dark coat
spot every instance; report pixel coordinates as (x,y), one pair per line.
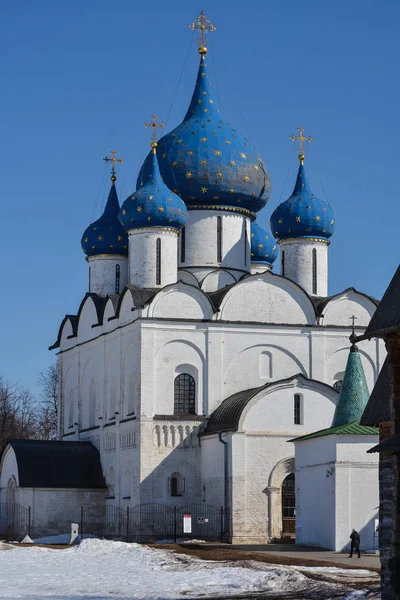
(355,543)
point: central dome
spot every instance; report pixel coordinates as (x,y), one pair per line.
(206,162)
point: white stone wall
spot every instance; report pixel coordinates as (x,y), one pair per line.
(143,256)
(298,263)
(201,252)
(337,490)
(102,274)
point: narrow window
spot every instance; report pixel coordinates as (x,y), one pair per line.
(117,278)
(184,394)
(246,243)
(90,278)
(219,239)
(174,486)
(177,484)
(297,409)
(183,244)
(158,262)
(314,271)
(283,263)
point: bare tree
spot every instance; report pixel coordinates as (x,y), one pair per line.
(17,413)
(48,404)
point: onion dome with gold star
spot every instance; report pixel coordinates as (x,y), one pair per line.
(106,235)
(263,248)
(207,162)
(303,215)
(153,204)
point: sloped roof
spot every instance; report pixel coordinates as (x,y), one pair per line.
(51,464)
(347,429)
(386,318)
(227,415)
(378,406)
(354,392)
(390,445)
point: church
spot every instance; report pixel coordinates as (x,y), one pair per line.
(196,356)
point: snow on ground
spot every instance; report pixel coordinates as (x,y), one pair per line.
(100,570)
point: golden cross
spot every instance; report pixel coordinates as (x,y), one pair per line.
(353,319)
(154,125)
(113,159)
(203,25)
(301,139)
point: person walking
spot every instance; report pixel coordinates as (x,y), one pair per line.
(355,543)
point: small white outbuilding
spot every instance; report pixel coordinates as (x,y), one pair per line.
(337,486)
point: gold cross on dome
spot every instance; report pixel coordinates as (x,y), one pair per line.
(353,319)
(154,125)
(301,139)
(203,25)
(113,159)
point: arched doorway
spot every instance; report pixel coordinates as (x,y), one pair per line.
(288,507)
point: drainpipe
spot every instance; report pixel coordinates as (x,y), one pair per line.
(225,474)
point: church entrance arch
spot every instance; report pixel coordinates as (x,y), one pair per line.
(288,507)
(281,492)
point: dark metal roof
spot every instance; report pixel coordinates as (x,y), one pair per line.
(386,319)
(226,417)
(50,464)
(378,407)
(390,445)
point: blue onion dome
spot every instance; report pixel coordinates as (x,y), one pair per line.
(207,162)
(106,235)
(263,249)
(303,215)
(153,204)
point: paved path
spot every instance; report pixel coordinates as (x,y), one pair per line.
(293,551)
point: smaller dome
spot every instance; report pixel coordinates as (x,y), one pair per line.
(263,248)
(106,235)
(303,215)
(153,204)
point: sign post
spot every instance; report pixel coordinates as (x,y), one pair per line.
(187,523)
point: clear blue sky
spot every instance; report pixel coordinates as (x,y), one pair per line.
(80,77)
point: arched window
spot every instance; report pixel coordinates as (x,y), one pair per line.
(283,263)
(314,271)
(183,244)
(184,394)
(158,261)
(219,239)
(117,278)
(176,485)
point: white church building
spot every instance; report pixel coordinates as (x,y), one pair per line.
(191,362)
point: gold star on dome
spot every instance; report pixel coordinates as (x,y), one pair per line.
(324,208)
(132,197)
(205,110)
(219,175)
(179,211)
(231,191)
(179,141)
(216,198)
(100,238)
(211,101)
(203,74)
(298,220)
(86,240)
(203,162)
(332,222)
(232,163)
(243,155)
(149,218)
(203,190)
(308,207)
(199,101)
(151,197)
(280,221)
(257,168)
(119,238)
(217,152)
(94,228)
(203,139)
(214,132)
(190,152)
(246,178)
(260,246)
(174,164)
(160,209)
(266,237)
(308,229)
(188,174)
(139,208)
(317,219)
(123,211)
(274,248)
(204,93)
(93,247)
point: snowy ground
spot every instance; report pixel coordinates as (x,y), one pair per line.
(100,570)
